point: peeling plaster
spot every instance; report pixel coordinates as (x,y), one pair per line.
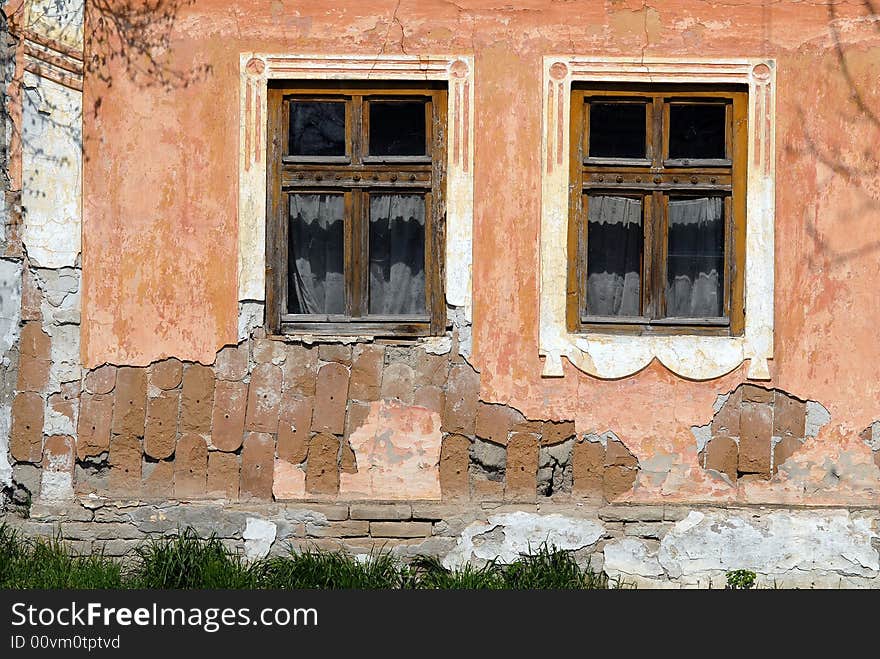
(259,534)
(10,317)
(56,485)
(817,417)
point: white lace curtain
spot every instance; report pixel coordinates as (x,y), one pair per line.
(614,256)
(397,254)
(315,274)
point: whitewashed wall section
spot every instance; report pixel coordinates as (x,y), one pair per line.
(258,68)
(694,357)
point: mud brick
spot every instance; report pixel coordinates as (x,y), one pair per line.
(494,422)
(789,417)
(431,369)
(366,372)
(784,449)
(26,435)
(522,467)
(257,466)
(58,454)
(726,421)
(197,402)
(288,481)
(322,469)
(160,434)
(190,467)
(722,454)
(93,425)
(347,459)
(227,420)
(65,401)
(295,427)
(125,465)
(462,393)
(486,490)
(269,351)
(335,352)
(36,355)
(264,399)
(617,454)
(556,432)
(754,394)
(130,404)
(100,380)
(31,297)
(756,426)
(533,426)
(454,458)
(232,363)
(587,467)
(398,382)
(355,416)
(300,369)
(430,397)
(166,374)
(223,475)
(158,479)
(617,480)
(331,396)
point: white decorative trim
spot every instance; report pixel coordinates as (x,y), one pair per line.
(258,68)
(694,357)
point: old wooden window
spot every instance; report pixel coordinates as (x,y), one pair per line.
(355,209)
(657,209)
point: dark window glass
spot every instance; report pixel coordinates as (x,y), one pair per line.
(397,254)
(315,271)
(696,130)
(617,130)
(397,128)
(695,278)
(317,128)
(614,256)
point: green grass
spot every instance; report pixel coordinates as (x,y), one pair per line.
(189,562)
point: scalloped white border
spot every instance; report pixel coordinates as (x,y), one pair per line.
(612,356)
(255,71)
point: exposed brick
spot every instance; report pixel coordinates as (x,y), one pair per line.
(268,351)
(31,297)
(355,416)
(617,480)
(454,458)
(300,368)
(288,481)
(93,425)
(295,427)
(190,467)
(64,402)
(100,380)
(755,394)
(26,435)
(756,425)
(232,363)
(33,366)
(58,454)
(722,454)
(616,453)
(158,479)
(494,422)
(400,529)
(430,397)
(431,369)
(130,404)
(587,468)
(197,402)
(877,458)
(522,467)
(347,459)
(166,374)
(784,449)
(335,352)
(725,423)
(125,465)
(160,433)
(556,432)
(533,426)
(223,475)
(398,382)
(381,511)
(486,490)
(789,416)
(257,466)
(264,399)
(227,424)
(461,400)
(331,395)
(366,372)
(322,470)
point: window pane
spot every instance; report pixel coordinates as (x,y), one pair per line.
(696,131)
(617,130)
(315,269)
(695,278)
(317,128)
(397,128)
(397,254)
(614,256)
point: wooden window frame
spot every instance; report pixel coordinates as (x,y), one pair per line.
(655,178)
(356,175)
